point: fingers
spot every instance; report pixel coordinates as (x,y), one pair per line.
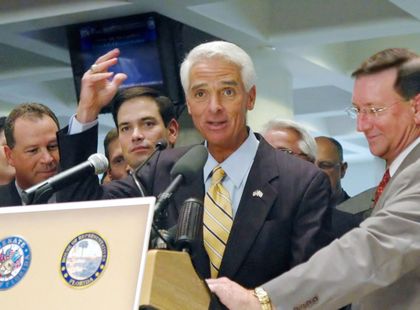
(111,54)
(232,295)
(118,79)
(99,85)
(100,67)
(99,70)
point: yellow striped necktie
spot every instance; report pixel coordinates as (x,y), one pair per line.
(217,220)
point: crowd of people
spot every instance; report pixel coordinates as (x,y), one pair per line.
(279,230)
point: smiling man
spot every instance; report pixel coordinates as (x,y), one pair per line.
(31,149)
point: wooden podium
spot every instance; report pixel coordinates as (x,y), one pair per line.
(170,283)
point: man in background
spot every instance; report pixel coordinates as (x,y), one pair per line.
(290,137)
(329,158)
(347,213)
(143,116)
(117,168)
(375,266)
(31,148)
(7,172)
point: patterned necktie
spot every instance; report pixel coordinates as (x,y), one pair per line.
(381,186)
(217,220)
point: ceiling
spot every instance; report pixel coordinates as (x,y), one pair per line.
(304,51)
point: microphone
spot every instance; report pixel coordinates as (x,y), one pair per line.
(190,226)
(183,172)
(41,192)
(159,146)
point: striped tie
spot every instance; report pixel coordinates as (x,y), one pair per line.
(217,220)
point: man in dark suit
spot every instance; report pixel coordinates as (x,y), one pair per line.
(329,158)
(31,149)
(279,203)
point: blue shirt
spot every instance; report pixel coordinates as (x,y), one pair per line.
(236,167)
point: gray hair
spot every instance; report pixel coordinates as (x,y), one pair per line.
(219,49)
(307,143)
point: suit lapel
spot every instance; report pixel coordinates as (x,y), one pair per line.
(14,193)
(256,201)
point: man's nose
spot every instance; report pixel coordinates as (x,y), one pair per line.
(215,103)
(47,156)
(137,134)
(363,121)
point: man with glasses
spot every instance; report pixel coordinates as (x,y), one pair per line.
(329,158)
(347,213)
(377,265)
(290,137)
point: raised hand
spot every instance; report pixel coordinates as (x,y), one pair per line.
(98,88)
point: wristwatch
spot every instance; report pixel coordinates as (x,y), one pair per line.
(263,298)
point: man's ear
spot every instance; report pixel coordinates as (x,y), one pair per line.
(188,106)
(252,94)
(343,168)
(9,155)
(173,130)
(416,108)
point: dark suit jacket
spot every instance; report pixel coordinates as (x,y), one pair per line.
(9,195)
(270,234)
(351,212)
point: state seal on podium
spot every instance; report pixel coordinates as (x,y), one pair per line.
(84,260)
(15,259)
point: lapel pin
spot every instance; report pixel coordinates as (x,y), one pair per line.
(257,193)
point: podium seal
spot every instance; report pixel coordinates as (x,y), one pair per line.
(15,258)
(84,259)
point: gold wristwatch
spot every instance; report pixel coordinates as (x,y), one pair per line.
(263,298)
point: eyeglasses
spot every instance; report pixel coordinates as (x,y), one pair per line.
(289,151)
(354,112)
(286,150)
(326,165)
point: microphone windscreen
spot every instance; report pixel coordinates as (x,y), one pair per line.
(190,163)
(190,224)
(161,145)
(99,162)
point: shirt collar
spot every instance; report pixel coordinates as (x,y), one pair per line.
(235,166)
(19,190)
(400,158)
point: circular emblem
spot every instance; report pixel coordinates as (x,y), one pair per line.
(84,259)
(15,258)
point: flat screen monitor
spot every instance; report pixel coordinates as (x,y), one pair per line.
(137,41)
(147,51)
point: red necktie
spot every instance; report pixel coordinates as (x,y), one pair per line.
(381,186)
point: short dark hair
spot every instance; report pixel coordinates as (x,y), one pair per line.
(385,59)
(337,145)
(165,105)
(27,110)
(110,136)
(407,83)
(2,123)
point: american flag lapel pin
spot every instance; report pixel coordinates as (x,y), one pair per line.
(257,193)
